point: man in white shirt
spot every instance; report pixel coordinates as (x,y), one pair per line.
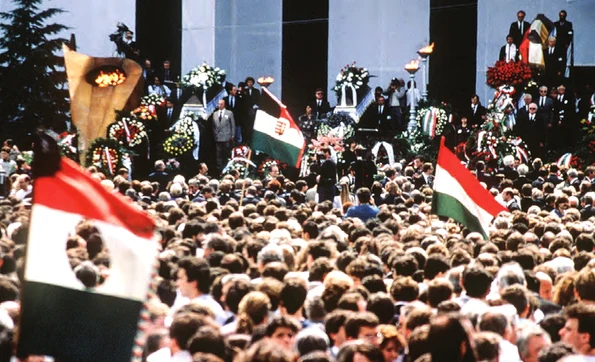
(193,282)
(509,53)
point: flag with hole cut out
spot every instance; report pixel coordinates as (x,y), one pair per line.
(60,316)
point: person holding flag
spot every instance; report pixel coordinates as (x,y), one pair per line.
(275,132)
(61,316)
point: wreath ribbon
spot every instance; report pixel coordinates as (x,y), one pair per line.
(344,96)
(126,130)
(108,159)
(429,121)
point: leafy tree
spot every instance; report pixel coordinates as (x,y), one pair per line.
(33,89)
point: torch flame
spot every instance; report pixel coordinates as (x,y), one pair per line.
(265,81)
(110,79)
(427,50)
(412,65)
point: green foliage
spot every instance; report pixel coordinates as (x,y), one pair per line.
(32,91)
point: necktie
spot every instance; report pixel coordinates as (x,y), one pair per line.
(231,101)
(318,102)
(220,115)
(474,109)
(542,101)
(169,112)
(379,109)
(521,27)
(551,51)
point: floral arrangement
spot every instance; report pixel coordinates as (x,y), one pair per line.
(153,99)
(513,73)
(204,76)
(233,165)
(339,125)
(65,142)
(336,143)
(588,124)
(146,113)
(105,154)
(172,165)
(178,144)
(185,125)
(432,120)
(128,131)
(265,166)
(28,156)
(585,149)
(576,162)
(351,75)
(493,143)
(411,143)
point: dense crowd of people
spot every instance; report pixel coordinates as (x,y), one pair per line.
(276,270)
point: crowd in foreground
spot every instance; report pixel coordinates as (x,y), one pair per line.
(274,270)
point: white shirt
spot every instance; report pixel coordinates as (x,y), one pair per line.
(508,352)
(164,355)
(510,52)
(206,299)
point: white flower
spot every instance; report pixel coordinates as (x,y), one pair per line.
(339,77)
(202,78)
(350,75)
(359,83)
(217,69)
(201,68)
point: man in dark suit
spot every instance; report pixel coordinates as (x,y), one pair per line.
(380,115)
(426,177)
(518,28)
(564,31)
(509,52)
(524,110)
(328,176)
(251,98)
(509,200)
(545,105)
(167,75)
(148,74)
(522,179)
(223,133)
(179,95)
(233,103)
(532,130)
(476,113)
(553,177)
(554,57)
(320,107)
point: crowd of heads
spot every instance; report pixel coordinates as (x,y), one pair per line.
(248,277)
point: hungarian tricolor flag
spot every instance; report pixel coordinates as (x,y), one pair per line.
(60,317)
(275,132)
(535,40)
(460,196)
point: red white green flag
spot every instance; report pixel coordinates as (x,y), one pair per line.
(460,196)
(275,132)
(61,317)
